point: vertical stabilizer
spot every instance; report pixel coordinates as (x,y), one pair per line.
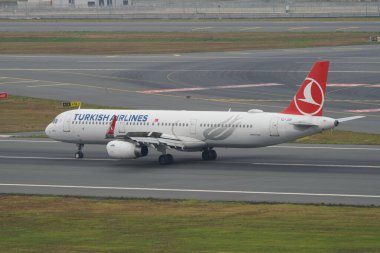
(310,97)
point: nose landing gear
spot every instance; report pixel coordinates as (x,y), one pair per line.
(79,154)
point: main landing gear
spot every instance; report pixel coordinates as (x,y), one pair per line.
(209,155)
(165,159)
(79,154)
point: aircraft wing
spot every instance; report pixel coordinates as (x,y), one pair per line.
(157,139)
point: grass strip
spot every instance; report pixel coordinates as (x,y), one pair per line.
(168,42)
(341,137)
(275,19)
(26,114)
(67,224)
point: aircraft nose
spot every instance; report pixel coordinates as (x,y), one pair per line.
(48,130)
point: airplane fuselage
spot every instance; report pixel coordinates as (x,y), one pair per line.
(196,129)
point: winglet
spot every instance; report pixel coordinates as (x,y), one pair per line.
(310,97)
(111,129)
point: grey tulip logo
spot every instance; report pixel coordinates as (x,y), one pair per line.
(221,131)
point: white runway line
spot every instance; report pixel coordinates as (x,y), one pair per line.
(210,88)
(346,28)
(31,141)
(250,28)
(189,190)
(56,158)
(224,162)
(202,28)
(317,165)
(299,28)
(365,110)
(321,147)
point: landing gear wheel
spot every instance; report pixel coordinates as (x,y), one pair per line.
(165,159)
(79,155)
(209,155)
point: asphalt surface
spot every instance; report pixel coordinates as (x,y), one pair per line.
(268,80)
(347,175)
(189,26)
(287,173)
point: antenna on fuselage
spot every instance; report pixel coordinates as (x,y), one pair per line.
(229,110)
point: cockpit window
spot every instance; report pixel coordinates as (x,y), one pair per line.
(55,121)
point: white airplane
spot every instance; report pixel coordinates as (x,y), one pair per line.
(130,133)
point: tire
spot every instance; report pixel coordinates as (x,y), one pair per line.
(162,159)
(213,154)
(170,159)
(79,155)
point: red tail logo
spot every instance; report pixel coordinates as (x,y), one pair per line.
(310,97)
(111,129)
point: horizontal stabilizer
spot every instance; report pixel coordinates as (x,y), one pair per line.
(350,118)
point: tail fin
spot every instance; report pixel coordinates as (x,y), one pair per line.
(310,97)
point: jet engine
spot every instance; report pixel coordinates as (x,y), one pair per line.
(126,150)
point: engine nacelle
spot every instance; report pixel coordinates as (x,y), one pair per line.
(125,150)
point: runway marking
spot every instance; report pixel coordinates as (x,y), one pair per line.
(210,88)
(346,84)
(299,28)
(50,85)
(365,110)
(134,61)
(18,82)
(317,165)
(250,28)
(190,190)
(346,28)
(202,28)
(57,158)
(321,147)
(27,141)
(224,162)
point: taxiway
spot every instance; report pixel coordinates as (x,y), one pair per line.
(285,173)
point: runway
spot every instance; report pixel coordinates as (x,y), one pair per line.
(286,173)
(241,80)
(192,26)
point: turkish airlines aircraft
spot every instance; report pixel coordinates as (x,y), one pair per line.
(130,133)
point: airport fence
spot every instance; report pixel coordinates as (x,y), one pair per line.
(170,9)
